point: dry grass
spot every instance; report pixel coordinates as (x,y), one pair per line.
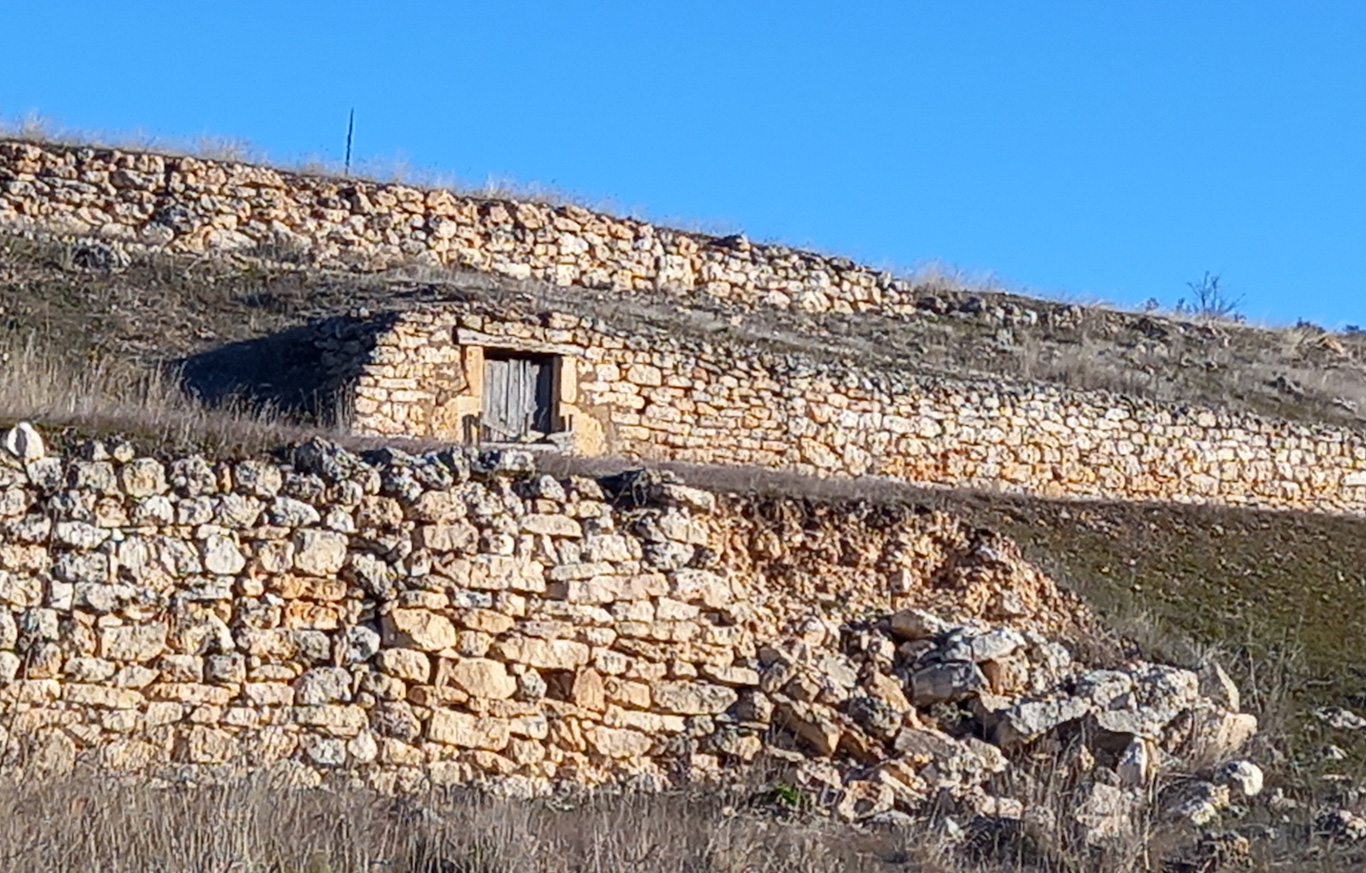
(91,823)
(88,823)
(163,307)
(114,397)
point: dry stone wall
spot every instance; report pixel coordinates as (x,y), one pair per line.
(456,617)
(185,204)
(650,394)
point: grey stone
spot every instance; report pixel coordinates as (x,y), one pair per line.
(979,647)
(257,478)
(288,512)
(45,473)
(97,476)
(192,476)
(1026,720)
(324,751)
(948,682)
(322,685)
(360,643)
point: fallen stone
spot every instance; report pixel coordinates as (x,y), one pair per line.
(1242,777)
(809,722)
(1341,824)
(1216,685)
(914,625)
(1027,720)
(861,800)
(1342,719)
(948,682)
(1198,803)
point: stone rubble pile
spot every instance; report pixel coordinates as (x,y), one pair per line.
(457,617)
(908,709)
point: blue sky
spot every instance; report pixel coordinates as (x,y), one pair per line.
(1079,149)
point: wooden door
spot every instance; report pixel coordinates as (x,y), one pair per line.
(518,397)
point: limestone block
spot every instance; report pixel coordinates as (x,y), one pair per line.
(692,698)
(334,719)
(586,690)
(181,668)
(407,664)
(487,621)
(618,742)
(138,643)
(468,731)
(225,669)
(734,676)
(455,536)
(20,590)
(478,677)
(544,654)
(143,477)
(101,696)
(319,552)
(323,685)
(78,535)
(190,692)
(551,524)
(221,555)
(418,629)
(205,745)
(288,512)
(89,670)
(437,507)
(700,586)
(130,755)
(596,589)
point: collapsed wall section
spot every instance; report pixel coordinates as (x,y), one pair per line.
(652,394)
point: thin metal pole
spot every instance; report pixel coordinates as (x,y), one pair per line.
(350,128)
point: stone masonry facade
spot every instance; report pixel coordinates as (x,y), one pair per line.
(652,395)
(658,396)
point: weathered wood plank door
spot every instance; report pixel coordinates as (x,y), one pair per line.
(518,402)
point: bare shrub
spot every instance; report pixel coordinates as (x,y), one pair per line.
(1209,301)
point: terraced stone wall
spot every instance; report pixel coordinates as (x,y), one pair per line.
(661,397)
(186,204)
(649,394)
(446,618)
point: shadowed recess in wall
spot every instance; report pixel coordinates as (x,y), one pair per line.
(304,374)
